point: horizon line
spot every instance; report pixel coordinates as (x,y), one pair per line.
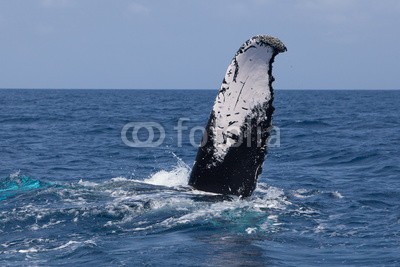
(201,89)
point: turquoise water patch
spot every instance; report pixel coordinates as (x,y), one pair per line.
(15,184)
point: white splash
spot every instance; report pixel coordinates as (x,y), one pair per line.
(87,183)
(15,174)
(337,194)
(251,230)
(177,177)
(29,250)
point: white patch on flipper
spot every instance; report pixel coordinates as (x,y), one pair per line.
(246,87)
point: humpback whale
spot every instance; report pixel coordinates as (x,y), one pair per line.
(230,157)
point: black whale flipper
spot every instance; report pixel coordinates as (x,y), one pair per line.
(234,144)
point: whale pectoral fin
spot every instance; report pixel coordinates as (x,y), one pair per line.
(234,144)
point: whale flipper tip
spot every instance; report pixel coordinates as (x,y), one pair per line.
(271,41)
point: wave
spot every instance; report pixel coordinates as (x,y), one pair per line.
(79,211)
(67,219)
(15,183)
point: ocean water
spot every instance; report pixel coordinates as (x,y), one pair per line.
(73,193)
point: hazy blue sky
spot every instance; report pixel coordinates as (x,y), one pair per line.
(189,44)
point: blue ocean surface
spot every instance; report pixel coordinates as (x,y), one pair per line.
(72,192)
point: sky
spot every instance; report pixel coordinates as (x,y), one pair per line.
(188,44)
